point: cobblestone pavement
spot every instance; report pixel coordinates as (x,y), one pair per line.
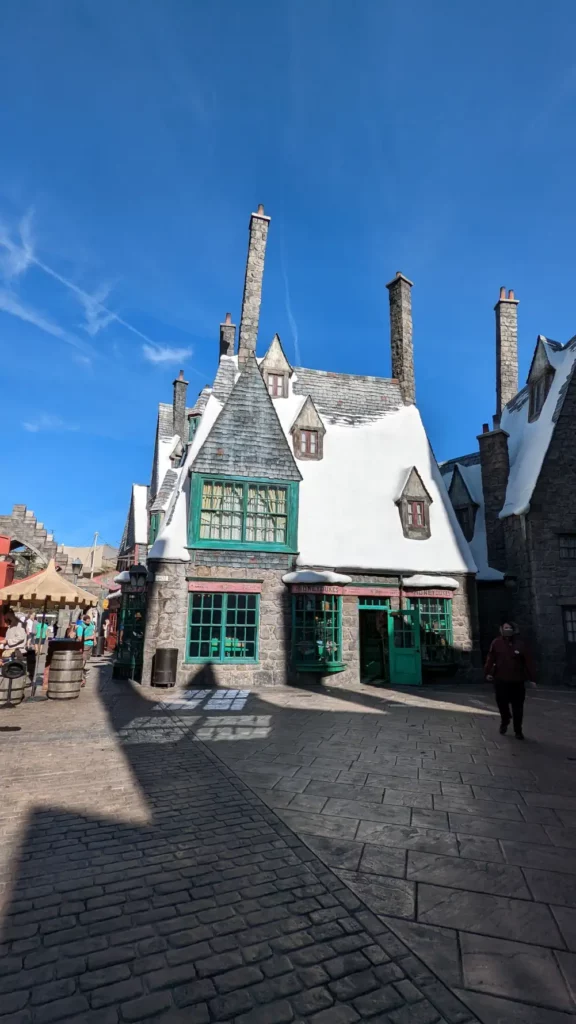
(142,879)
(462,841)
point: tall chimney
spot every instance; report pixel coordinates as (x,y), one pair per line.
(252,297)
(227,336)
(179,425)
(506,350)
(401,335)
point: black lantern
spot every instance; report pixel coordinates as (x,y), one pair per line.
(138,576)
(76,568)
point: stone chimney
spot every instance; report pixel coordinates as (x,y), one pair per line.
(506,350)
(179,424)
(227,336)
(401,335)
(495,467)
(252,297)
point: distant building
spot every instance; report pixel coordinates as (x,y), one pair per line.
(298,522)
(94,560)
(515,498)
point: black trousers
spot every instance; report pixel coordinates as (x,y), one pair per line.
(511,696)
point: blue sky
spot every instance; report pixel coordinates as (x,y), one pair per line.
(437,139)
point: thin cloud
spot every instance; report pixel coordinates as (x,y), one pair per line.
(17,256)
(97,316)
(164,354)
(10,303)
(49,424)
(288,305)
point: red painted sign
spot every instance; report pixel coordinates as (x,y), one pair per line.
(316,588)
(218,587)
(352,591)
(372,591)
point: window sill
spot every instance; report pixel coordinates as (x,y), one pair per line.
(220,661)
(324,668)
(238,545)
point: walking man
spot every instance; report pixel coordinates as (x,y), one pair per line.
(509,666)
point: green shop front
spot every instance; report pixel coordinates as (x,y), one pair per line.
(403,635)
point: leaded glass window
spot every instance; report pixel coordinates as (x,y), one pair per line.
(223,627)
(317,632)
(243,511)
(435,628)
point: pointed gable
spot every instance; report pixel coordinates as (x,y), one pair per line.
(275,360)
(540,362)
(247,439)
(308,418)
(458,490)
(414,487)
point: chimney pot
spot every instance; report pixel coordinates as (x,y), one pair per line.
(485,428)
(260,208)
(511,294)
(227,319)
(502,292)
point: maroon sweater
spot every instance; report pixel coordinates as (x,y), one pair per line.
(509,660)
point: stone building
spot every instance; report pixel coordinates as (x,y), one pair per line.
(298,522)
(515,498)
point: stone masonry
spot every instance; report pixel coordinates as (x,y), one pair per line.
(506,350)
(259,224)
(401,335)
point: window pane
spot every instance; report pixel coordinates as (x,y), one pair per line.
(223,627)
(570,624)
(568,545)
(317,629)
(267,519)
(435,627)
(221,513)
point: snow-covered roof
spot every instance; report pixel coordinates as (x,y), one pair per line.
(529,442)
(469,466)
(313,576)
(421,579)
(162,498)
(347,514)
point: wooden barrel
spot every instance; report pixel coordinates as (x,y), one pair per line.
(12,686)
(65,676)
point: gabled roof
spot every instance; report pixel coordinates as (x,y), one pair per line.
(347,516)
(247,439)
(275,358)
(136,526)
(458,490)
(468,466)
(528,442)
(413,486)
(308,417)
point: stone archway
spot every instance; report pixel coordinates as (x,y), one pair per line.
(22,527)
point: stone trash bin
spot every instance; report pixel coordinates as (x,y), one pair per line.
(13,682)
(65,669)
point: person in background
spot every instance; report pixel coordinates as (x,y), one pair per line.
(40,633)
(30,627)
(71,631)
(86,633)
(15,639)
(509,666)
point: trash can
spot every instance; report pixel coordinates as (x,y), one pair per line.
(164,666)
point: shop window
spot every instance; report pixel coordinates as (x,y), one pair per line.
(568,545)
(243,514)
(317,633)
(155,520)
(436,637)
(223,628)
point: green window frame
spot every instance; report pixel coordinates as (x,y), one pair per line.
(435,628)
(154,528)
(223,628)
(317,633)
(193,422)
(373,603)
(243,513)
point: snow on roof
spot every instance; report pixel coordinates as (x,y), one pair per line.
(469,466)
(347,514)
(529,442)
(422,580)
(140,512)
(311,576)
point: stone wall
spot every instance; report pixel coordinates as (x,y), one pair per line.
(167,617)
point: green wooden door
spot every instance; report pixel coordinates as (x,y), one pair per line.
(404,645)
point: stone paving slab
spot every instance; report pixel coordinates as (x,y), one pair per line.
(144,880)
(484,836)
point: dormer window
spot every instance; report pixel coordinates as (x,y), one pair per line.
(416,513)
(308,442)
(539,389)
(414,507)
(276,385)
